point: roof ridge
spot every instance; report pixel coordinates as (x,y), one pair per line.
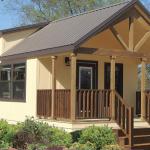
(91,11)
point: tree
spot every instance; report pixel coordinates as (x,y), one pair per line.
(33,11)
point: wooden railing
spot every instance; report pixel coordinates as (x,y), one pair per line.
(93,104)
(62,104)
(124,117)
(147,106)
(44,103)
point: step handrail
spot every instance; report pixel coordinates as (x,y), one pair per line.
(147,106)
(124,117)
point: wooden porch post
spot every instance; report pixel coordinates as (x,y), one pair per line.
(53,85)
(112,86)
(143,80)
(73,86)
(131,33)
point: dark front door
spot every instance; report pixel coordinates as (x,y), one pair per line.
(118,77)
(87,74)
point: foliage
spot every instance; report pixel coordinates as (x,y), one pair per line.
(36,147)
(76,135)
(86,146)
(100,136)
(34,133)
(7,133)
(34,11)
(60,138)
(31,131)
(112,147)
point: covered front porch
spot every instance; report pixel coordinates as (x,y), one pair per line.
(62,100)
(92,86)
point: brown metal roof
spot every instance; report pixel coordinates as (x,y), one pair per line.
(68,32)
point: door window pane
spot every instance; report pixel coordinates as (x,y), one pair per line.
(85,78)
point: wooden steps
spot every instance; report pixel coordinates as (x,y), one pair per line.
(141,139)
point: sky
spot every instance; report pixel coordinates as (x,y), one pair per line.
(9,20)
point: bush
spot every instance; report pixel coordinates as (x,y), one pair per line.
(36,147)
(7,133)
(33,132)
(60,138)
(86,146)
(99,136)
(112,147)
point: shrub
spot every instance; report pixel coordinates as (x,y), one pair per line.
(59,137)
(33,132)
(36,147)
(86,146)
(7,133)
(112,147)
(100,136)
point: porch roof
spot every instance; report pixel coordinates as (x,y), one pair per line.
(67,34)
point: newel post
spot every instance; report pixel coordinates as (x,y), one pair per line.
(112,86)
(73,86)
(53,58)
(143,81)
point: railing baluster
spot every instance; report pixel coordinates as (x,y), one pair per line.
(87,108)
(101,103)
(84,99)
(80,93)
(148,110)
(123,116)
(98,103)
(106,97)
(95,105)
(147,106)
(91,104)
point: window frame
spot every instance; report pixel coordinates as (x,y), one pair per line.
(11,99)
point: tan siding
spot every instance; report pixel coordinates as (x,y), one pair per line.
(44,73)
(62,73)
(17,111)
(13,38)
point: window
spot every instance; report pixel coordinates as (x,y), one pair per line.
(85,78)
(12,81)
(87,74)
